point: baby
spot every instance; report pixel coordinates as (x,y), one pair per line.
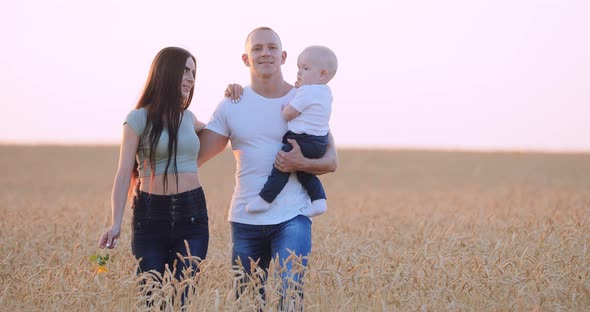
(308,117)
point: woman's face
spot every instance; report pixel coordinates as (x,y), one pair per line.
(188,78)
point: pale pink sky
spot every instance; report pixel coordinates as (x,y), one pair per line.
(412,74)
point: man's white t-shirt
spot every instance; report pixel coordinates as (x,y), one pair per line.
(314,102)
(255,127)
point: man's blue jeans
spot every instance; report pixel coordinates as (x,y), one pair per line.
(265,242)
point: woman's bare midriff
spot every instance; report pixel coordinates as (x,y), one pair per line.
(186,181)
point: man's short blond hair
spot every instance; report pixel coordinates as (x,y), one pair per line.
(259,29)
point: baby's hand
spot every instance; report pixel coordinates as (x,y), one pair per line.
(234,91)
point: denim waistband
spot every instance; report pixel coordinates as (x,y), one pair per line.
(304,136)
(188,194)
(166,205)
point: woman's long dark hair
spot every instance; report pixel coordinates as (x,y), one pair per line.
(164,104)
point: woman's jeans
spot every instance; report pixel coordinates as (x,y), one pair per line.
(164,225)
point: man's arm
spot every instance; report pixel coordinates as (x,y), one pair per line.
(212,143)
(199,125)
(295,161)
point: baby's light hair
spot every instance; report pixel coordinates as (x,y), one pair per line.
(325,57)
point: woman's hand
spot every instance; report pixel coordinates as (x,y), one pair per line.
(234,91)
(109,239)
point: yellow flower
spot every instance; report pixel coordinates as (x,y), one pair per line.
(99,259)
(100,262)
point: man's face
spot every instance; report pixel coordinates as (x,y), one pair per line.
(263,53)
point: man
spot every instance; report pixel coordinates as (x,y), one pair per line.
(255,128)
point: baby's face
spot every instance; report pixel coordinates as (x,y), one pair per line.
(310,69)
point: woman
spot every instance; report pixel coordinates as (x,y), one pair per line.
(158,151)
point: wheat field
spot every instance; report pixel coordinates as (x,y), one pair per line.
(405,231)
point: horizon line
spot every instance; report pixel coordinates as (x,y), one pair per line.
(373,147)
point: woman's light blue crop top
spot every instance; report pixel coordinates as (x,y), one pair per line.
(188,145)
